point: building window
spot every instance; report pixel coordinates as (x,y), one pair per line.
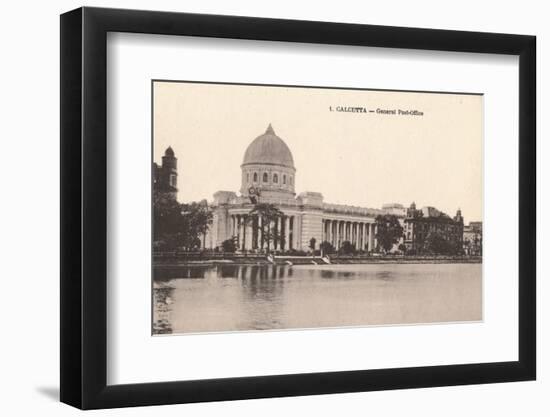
(291,180)
(247,177)
(284,179)
(255,177)
(275,178)
(265,177)
(172,180)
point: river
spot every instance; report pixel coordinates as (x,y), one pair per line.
(249,298)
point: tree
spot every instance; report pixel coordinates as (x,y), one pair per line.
(179,225)
(327,248)
(347,248)
(389,231)
(436,244)
(269,214)
(229,246)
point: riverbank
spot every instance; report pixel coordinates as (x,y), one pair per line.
(310,260)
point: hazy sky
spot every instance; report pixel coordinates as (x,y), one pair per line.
(364,159)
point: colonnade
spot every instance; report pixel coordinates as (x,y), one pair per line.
(250,233)
(360,234)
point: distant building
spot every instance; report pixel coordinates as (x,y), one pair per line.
(419,224)
(165,176)
(395,209)
(473,239)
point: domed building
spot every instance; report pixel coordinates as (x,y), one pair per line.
(268,175)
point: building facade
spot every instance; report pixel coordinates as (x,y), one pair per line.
(473,239)
(268,175)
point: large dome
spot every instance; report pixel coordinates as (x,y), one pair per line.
(268,149)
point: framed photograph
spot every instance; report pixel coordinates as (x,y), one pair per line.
(258,208)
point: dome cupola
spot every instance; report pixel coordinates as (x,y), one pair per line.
(268,165)
(268,149)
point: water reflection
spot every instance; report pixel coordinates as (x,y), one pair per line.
(254,297)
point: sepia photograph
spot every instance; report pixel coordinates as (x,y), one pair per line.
(301,207)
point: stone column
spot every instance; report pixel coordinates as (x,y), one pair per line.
(277,243)
(287,233)
(280,233)
(291,232)
(241,233)
(262,243)
(297,233)
(337,234)
(374,235)
(249,234)
(237,225)
(245,234)
(371,236)
(274,231)
(258,232)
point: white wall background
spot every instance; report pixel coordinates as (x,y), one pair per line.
(29,223)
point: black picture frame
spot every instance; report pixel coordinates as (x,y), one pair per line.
(84,207)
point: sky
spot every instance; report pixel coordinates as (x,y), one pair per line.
(364,159)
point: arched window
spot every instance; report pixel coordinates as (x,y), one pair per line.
(247,177)
(284,179)
(265,177)
(275,178)
(255,177)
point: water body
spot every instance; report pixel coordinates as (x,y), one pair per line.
(249,298)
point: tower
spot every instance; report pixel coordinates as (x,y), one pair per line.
(411,211)
(458,218)
(166,176)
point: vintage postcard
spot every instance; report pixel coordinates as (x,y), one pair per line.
(287,207)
